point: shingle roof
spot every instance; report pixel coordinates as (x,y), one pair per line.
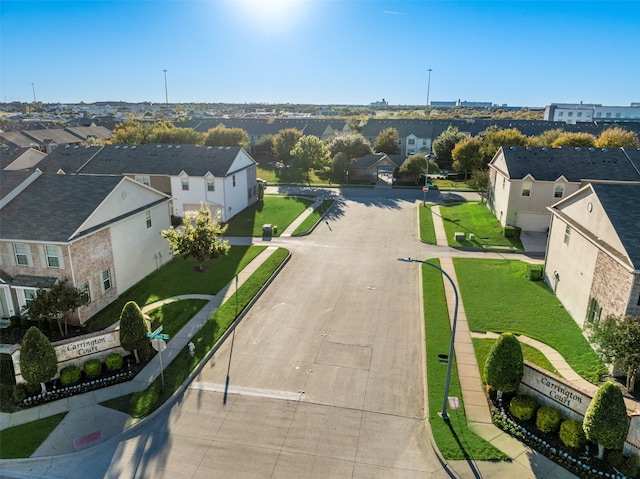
(575,164)
(621,202)
(369,160)
(9,180)
(53,207)
(634,156)
(142,159)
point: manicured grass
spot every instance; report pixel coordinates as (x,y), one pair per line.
(276,210)
(454,439)
(177,277)
(143,403)
(293,176)
(173,316)
(451,185)
(427,231)
(22,441)
(313,218)
(475,218)
(498,297)
(531,354)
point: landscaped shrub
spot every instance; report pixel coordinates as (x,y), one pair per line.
(43,324)
(615,457)
(176,221)
(572,434)
(511,231)
(548,419)
(631,466)
(93,368)
(113,362)
(20,392)
(534,272)
(15,321)
(53,324)
(25,323)
(523,407)
(70,375)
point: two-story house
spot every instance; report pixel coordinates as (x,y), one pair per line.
(102,233)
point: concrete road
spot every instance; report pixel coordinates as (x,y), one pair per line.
(325,377)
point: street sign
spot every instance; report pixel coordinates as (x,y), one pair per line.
(156,334)
(425,189)
(158,344)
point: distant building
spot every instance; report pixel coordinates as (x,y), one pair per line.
(587,112)
(380,103)
(470,104)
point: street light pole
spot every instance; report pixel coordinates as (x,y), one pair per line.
(444,414)
(428,88)
(166,92)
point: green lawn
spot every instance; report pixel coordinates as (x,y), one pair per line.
(498,297)
(292,176)
(276,210)
(531,354)
(475,218)
(314,217)
(454,439)
(427,231)
(22,441)
(173,316)
(451,185)
(143,403)
(178,277)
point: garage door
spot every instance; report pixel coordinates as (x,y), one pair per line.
(533,221)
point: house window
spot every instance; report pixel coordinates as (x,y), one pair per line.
(617,115)
(599,114)
(106,280)
(211,186)
(570,113)
(594,311)
(558,191)
(579,114)
(185,183)
(526,188)
(22,254)
(147,215)
(561,113)
(29,296)
(608,114)
(145,180)
(567,235)
(85,294)
(412,141)
(234,180)
(53,261)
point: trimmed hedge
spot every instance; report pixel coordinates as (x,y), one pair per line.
(534,272)
(572,434)
(511,231)
(548,419)
(113,362)
(92,368)
(70,375)
(523,407)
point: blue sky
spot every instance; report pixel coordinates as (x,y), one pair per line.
(321,51)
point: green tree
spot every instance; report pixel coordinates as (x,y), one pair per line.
(341,167)
(606,421)
(480,183)
(198,238)
(387,142)
(585,140)
(260,191)
(131,132)
(467,156)
(222,136)
(546,138)
(133,332)
(445,143)
(264,146)
(416,166)
(617,137)
(504,368)
(310,152)
(166,133)
(354,145)
(493,138)
(38,360)
(617,341)
(284,142)
(57,302)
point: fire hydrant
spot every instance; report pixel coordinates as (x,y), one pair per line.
(192,348)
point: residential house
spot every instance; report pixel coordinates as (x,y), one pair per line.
(524,181)
(593,252)
(20,158)
(223,178)
(51,136)
(376,166)
(102,233)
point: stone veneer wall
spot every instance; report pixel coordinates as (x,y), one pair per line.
(634,303)
(611,285)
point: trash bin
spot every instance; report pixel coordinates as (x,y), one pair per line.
(266,230)
(275,229)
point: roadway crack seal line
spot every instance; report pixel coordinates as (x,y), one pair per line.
(256,392)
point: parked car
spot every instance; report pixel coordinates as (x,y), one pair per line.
(262,182)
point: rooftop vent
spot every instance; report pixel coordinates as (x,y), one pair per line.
(169,146)
(133,147)
(125,147)
(117,146)
(158,146)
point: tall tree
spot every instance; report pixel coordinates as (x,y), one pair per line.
(445,143)
(606,421)
(493,138)
(387,142)
(310,152)
(585,140)
(504,366)
(198,238)
(467,156)
(480,183)
(222,136)
(284,142)
(617,137)
(264,146)
(416,166)
(546,138)
(57,302)
(38,360)
(617,341)
(133,332)
(354,145)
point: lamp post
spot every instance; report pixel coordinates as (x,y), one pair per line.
(444,414)
(428,88)
(166,92)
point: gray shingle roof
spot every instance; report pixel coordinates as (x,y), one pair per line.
(575,164)
(53,207)
(621,202)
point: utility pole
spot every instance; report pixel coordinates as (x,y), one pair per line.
(33,87)
(166,92)
(428,88)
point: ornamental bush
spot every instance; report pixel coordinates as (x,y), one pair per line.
(534,272)
(38,359)
(511,231)
(92,368)
(631,466)
(70,375)
(606,421)
(572,434)
(113,362)
(523,407)
(504,368)
(19,392)
(548,419)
